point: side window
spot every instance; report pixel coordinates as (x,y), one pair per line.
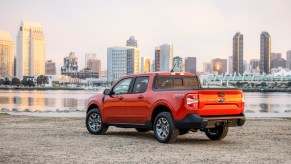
(176,82)
(141,84)
(164,82)
(122,87)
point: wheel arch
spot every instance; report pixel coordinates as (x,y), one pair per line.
(162,107)
(92,105)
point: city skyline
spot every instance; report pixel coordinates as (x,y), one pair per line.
(201,29)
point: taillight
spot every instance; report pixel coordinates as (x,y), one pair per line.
(192,101)
(243,100)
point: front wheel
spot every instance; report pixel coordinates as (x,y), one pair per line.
(94,122)
(164,128)
(217,133)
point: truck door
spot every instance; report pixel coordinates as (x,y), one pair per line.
(137,102)
(114,106)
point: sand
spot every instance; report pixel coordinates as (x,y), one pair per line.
(28,139)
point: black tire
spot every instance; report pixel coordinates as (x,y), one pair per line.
(217,133)
(94,122)
(142,129)
(162,133)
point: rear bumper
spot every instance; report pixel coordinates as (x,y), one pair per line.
(194,121)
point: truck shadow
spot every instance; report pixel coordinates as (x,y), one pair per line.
(183,139)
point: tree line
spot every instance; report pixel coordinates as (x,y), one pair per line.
(40,80)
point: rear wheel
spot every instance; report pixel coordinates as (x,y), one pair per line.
(217,133)
(164,128)
(94,122)
(142,129)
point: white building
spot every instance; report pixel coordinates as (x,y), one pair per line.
(166,57)
(30,50)
(122,61)
(142,63)
(6,55)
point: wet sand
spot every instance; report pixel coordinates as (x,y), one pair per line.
(27,139)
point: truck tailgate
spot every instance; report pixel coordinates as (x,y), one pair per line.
(220,102)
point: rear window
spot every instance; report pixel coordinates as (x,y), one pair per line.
(176,82)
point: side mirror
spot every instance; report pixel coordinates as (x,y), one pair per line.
(107,92)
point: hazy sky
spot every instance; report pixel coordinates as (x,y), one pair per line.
(203,29)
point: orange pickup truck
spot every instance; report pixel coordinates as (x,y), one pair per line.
(168,103)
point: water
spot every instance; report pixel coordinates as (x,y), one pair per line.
(49,100)
(69,100)
(272,102)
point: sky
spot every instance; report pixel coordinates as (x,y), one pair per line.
(197,28)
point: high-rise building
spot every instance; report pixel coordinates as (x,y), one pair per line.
(95,66)
(207,67)
(89,56)
(142,64)
(177,64)
(238,53)
(122,61)
(157,62)
(230,64)
(30,50)
(163,58)
(147,65)
(190,64)
(70,67)
(254,64)
(166,57)
(219,66)
(6,55)
(133,60)
(50,67)
(131,42)
(265,53)
(288,60)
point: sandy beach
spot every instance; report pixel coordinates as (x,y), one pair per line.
(31,139)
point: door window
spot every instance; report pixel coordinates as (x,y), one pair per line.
(141,84)
(122,87)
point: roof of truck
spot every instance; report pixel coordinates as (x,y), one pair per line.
(164,74)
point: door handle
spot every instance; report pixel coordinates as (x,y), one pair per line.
(140,96)
(120,97)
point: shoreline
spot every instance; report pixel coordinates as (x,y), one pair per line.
(40,88)
(261,90)
(82,114)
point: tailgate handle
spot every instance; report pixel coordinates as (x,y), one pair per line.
(221,93)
